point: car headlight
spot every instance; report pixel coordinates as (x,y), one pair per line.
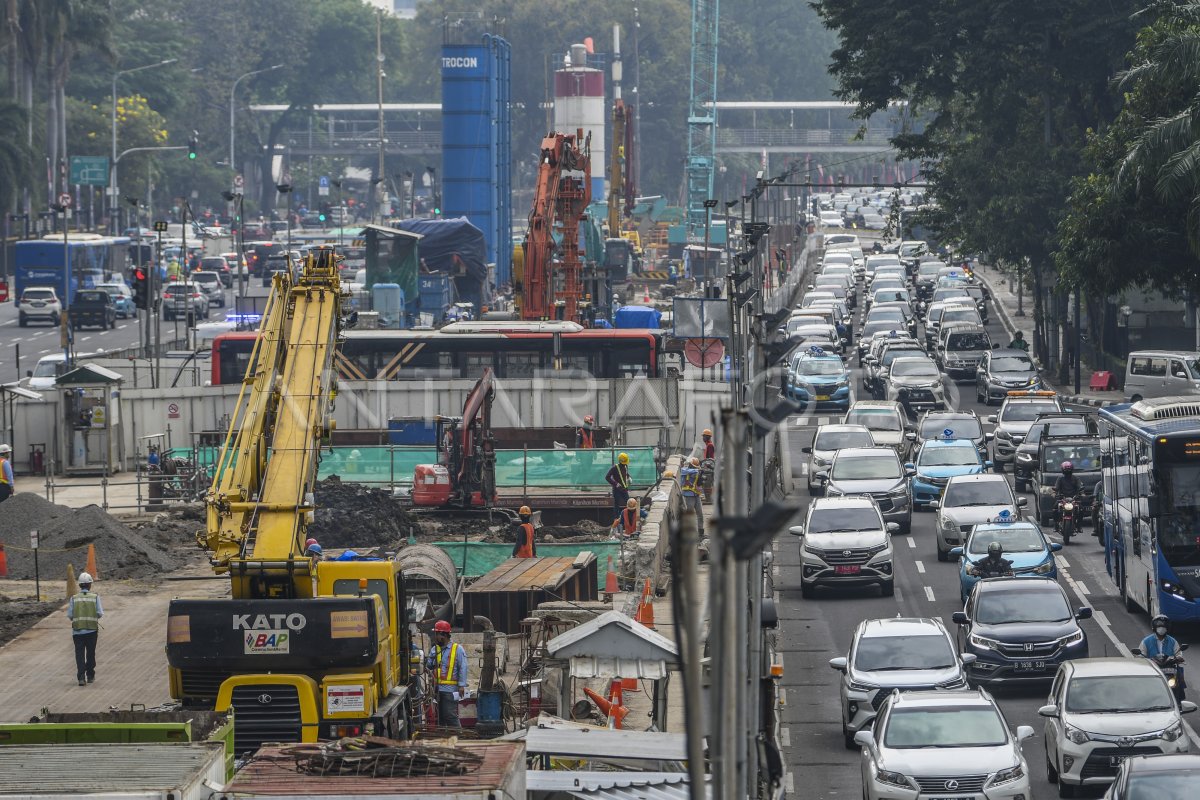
(954,683)
(1045,568)
(862,687)
(812,551)
(1071,638)
(1173,733)
(1075,735)
(921,476)
(833,491)
(819,462)
(984,642)
(899,491)
(949,525)
(892,779)
(1008,775)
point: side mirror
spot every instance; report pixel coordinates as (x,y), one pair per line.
(1084,612)
(911,436)
(960,618)
(968,659)
(1183,647)
(910,470)
(1137,651)
(806,450)
(988,465)
(1024,732)
(1055,547)
(935,504)
(991,418)
(910,465)
(987,437)
(1022,502)
(956,552)
(838,663)
(28,373)
(796,530)
(1187,707)
(1048,711)
(894,528)
(863,739)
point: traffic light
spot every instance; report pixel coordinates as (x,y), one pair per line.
(193,144)
(141,288)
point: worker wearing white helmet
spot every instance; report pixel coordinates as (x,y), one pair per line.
(85,610)
(6,473)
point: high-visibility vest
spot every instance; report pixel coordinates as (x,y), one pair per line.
(691,480)
(527,549)
(622,475)
(446,678)
(629,520)
(3,472)
(85,614)
(587,438)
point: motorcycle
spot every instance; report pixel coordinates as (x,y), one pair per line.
(1172,670)
(1066,517)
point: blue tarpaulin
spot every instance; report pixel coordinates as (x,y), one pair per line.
(454,247)
(636,317)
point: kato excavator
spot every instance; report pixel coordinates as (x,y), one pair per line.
(303,649)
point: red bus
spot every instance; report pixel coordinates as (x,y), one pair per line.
(463,349)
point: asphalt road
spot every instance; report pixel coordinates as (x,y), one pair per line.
(39,339)
(813,631)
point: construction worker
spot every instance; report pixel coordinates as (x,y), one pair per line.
(525,546)
(448,662)
(629,518)
(689,483)
(618,479)
(7,482)
(708,464)
(710,449)
(585,435)
(85,610)
(313,550)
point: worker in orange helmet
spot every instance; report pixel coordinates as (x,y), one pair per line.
(710,449)
(525,547)
(629,517)
(448,662)
(585,435)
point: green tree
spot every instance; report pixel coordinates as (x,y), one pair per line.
(15,155)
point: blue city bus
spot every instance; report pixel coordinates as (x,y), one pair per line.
(1150,473)
(40,262)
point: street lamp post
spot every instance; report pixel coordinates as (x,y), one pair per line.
(114,209)
(232,107)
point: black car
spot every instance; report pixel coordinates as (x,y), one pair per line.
(1058,424)
(1083,451)
(1160,776)
(1019,630)
(93,308)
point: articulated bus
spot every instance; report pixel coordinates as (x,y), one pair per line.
(1150,452)
(463,349)
(41,262)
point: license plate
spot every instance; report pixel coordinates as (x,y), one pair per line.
(822,397)
(846,570)
(1031,666)
(956,797)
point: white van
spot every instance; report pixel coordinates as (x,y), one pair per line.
(1161,373)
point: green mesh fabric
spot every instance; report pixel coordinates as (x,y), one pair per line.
(483,557)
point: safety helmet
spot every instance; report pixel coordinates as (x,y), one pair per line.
(309,543)
(588,419)
(669,473)
(441,626)
(706,432)
(1018,335)
(694,461)
(994,549)
(524,511)
(1160,619)
(5,449)
(1067,466)
(314,549)
(631,503)
(623,458)
(85,579)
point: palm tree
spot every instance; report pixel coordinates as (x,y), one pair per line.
(15,155)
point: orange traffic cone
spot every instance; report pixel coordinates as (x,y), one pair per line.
(615,713)
(91,567)
(4,562)
(610,580)
(645,614)
(646,298)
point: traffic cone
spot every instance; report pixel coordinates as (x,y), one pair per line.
(4,562)
(610,580)
(91,567)
(646,298)
(72,584)
(615,713)
(645,614)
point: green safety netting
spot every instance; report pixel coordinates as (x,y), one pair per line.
(381,465)
(483,557)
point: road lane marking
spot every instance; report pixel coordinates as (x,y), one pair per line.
(123,326)
(920,567)
(1100,617)
(1062,561)
(804,468)
(911,544)
(788,786)
(1083,589)
(10,322)
(85,338)
(785,736)
(929,593)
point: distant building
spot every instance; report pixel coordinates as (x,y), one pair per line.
(404,9)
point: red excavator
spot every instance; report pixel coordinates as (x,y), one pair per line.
(465,475)
(551,286)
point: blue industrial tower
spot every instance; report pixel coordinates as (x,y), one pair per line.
(702,111)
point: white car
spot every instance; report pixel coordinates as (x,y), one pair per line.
(39,303)
(905,653)
(943,745)
(832,219)
(1101,710)
(826,442)
(885,420)
(845,542)
(969,500)
(210,284)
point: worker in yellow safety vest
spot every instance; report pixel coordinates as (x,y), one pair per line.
(618,479)
(85,610)
(689,484)
(448,662)
(6,473)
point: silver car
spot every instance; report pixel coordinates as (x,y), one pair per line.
(826,442)
(969,500)
(906,653)
(875,472)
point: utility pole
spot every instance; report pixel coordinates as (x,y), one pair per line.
(380,185)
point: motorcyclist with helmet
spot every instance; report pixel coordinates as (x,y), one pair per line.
(994,565)
(1162,648)
(1067,487)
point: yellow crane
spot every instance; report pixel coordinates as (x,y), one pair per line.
(303,649)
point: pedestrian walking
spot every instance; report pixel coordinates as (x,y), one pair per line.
(448,662)
(618,479)
(689,483)
(7,483)
(85,610)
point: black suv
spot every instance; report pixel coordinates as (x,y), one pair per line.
(1057,424)
(93,308)
(1083,451)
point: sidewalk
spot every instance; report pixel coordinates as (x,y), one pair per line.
(1004,301)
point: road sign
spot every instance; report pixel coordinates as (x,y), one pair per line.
(323,186)
(173,411)
(239,182)
(160,225)
(89,170)
(33,539)
(704,352)
(65,200)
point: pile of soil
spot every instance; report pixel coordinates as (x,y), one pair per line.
(65,534)
(18,616)
(175,531)
(357,516)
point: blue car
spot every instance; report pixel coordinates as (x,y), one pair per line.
(1031,553)
(122,299)
(818,377)
(938,461)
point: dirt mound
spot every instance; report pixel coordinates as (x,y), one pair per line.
(353,515)
(64,536)
(18,616)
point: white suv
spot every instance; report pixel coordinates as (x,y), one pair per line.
(845,542)
(39,303)
(1103,710)
(969,500)
(905,653)
(210,284)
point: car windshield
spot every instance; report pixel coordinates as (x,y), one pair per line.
(46,369)
(1083,457)
(844,520)
(897,352)
(1118,693)
(93,297)
(1021,605)
(959,315)
(861,468)
(1057,428)
(891,296)
(877,653)
(887,282)
(37,294)
(930,270)
(1012,364)
(820,366)
(948,457)
(914,367)
(890,314)
(961,428)
(977,493)
(968,341)
(875,419)
(1014,539)
(836,440)
(799,322)
(1159,785)
(967,726)
(1026,412)
(877,326)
